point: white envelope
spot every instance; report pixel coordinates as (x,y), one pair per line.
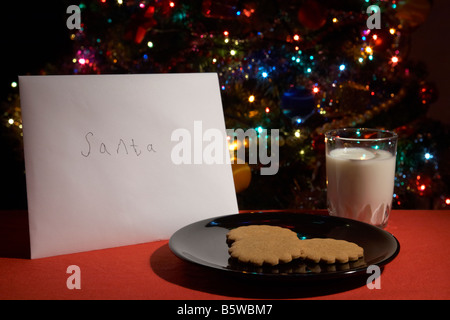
(98,159)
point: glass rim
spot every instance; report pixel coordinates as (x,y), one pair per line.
(389,134)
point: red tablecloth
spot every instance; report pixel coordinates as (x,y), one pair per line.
(152,271)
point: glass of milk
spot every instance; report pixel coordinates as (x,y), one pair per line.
(360,167)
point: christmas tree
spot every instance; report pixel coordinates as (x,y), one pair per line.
(300,66)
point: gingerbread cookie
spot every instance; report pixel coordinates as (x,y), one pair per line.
(262,244)
(331,250)
(271,245)
(259,231)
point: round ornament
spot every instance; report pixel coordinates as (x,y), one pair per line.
(242,176)
(298,104)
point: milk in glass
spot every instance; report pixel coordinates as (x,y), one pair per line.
(360,184)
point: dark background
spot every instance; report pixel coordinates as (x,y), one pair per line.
(431,45)
(32,34)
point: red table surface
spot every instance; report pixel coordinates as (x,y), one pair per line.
(152,271)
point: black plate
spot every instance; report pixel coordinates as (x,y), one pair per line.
(204,243)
